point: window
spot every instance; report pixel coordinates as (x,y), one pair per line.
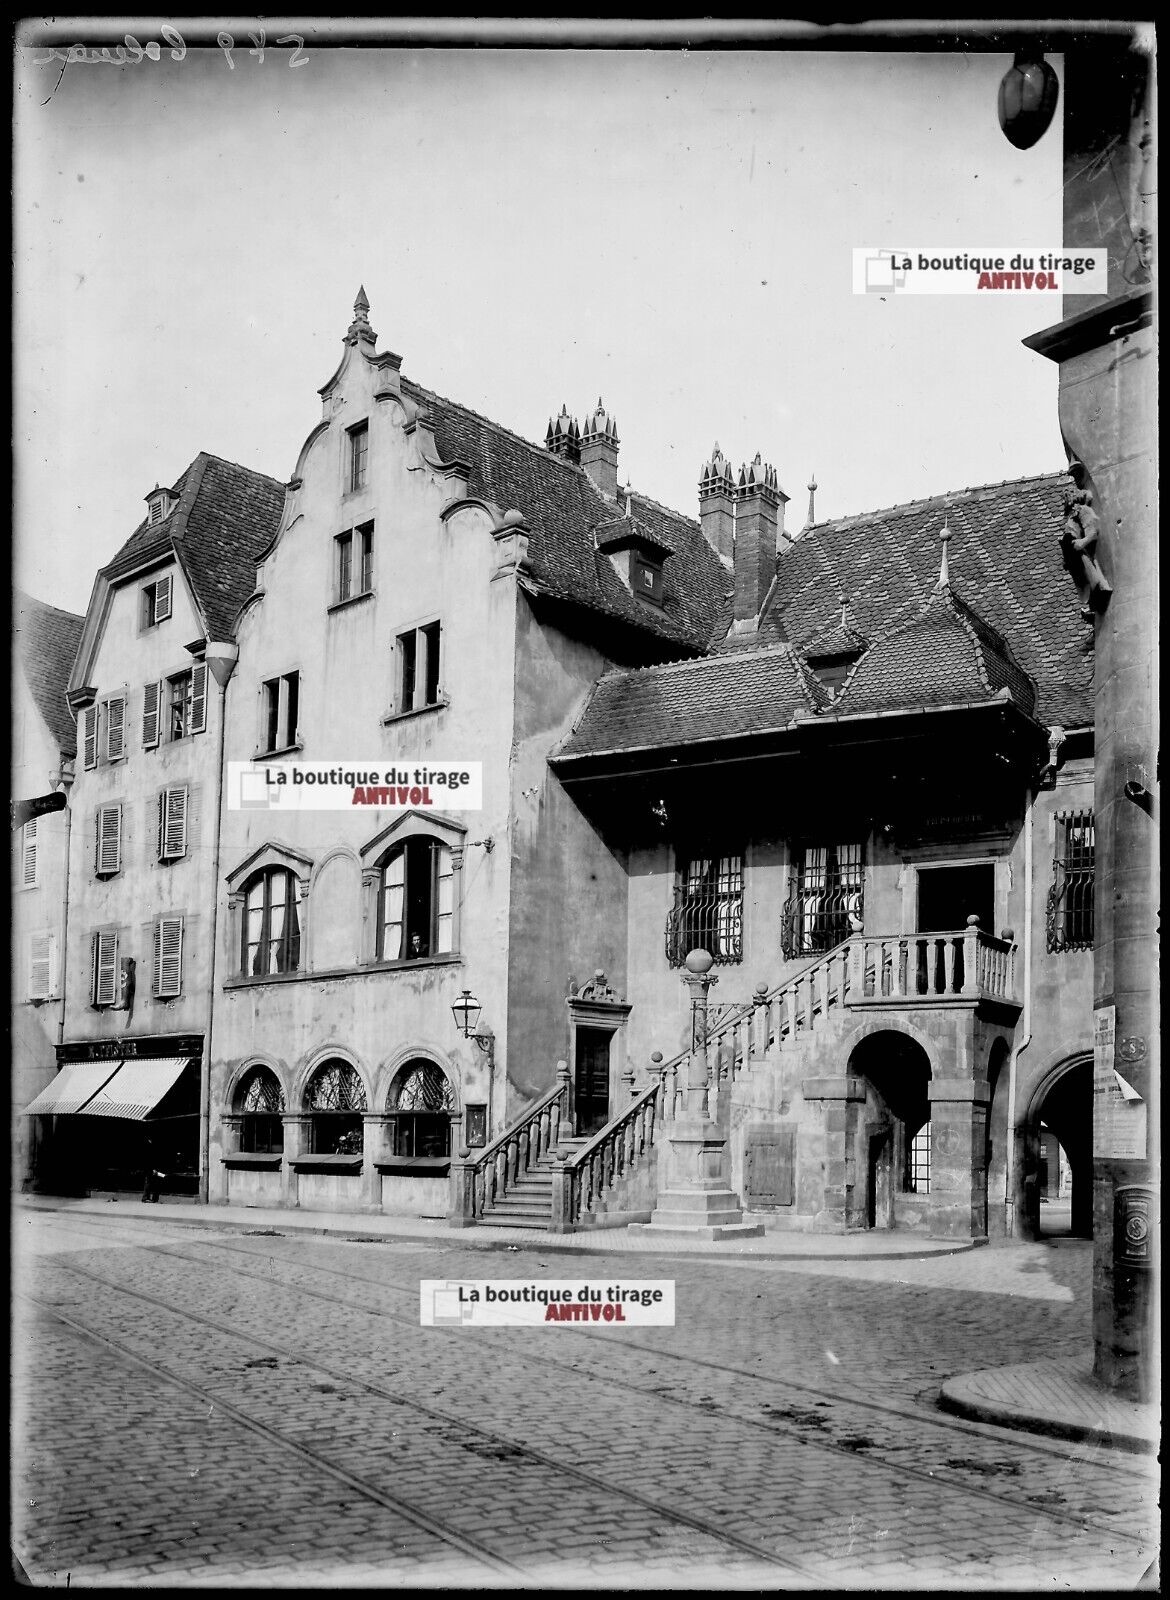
(156,599)
(259,1105)
(335,1099)
(271,924)
(1070,899)
(168,958)
(420,1105)
(647,579)
(172,824)
(359,455)
(416,901)
(104,982)
(418,668)
(708,909)
(920,1161)
(28,854)
(281,708)
(826,905)
(115,719)
(89,720)
(354,563)
(108,841)
(175,708)
(42,966)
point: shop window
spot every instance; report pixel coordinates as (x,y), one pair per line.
(335,1099)
(1070,899)
(420,1105)
(826,905)
(416,901)
(258,1109)
(707,913)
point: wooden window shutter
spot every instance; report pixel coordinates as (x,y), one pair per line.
(29,854)
(199,698)
(109,839)
(116,728)
(151,697)
(168,957)
(162,598)
(105,968)
(42,961)
(89,723)
(172,824)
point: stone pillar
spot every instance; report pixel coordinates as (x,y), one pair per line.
(371,1151)
(461,1190)
(295,1138)
(842,1097)
(958,1153)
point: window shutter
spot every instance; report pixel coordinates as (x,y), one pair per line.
(29,854)
(105,968)
(109,839)
(151,695)
(162,598)
(168,957)
(42,961)
(90,726)
(116,728)
(172,824)
(199,698)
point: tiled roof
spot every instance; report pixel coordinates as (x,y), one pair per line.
(563,508)
(946,655)
(715,697)
(1005,559)
(46,642)
(225,517)
(838,640)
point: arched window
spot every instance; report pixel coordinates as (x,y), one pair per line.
(271,924)
(419,1105)
(415,901)
(334,1100)
(258,1106)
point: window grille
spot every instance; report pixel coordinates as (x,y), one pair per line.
(335,1100)
(827,903)
(259,1109)
(420,1107)
(1070,899)
(707,913)
(920,1161)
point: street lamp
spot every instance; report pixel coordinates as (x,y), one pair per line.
(466,1012)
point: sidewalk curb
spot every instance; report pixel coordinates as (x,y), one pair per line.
(1008,1416)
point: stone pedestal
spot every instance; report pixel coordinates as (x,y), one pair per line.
(694,1195)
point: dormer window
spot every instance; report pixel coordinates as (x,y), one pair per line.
(160,502)
(647,579)
(638,555)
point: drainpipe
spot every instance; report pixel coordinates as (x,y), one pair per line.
(221,660)
(1027,1039)
(63,779)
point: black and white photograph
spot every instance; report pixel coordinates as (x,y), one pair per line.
(584,805)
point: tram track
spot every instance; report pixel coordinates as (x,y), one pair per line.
(773,1425)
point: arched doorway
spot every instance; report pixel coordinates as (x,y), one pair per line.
(891,1139)
(1059,1124)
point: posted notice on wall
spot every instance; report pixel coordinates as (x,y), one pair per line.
(538,1302)
(1119,1112)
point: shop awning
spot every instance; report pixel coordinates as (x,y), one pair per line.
(76,1083)
(136,1088)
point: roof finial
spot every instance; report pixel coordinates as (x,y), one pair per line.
(360,326)
(812,491)
(944,571)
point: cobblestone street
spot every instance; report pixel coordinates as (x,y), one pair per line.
(199,1407)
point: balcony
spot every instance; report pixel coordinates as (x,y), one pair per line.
(924,969)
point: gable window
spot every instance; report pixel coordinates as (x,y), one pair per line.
(28,854)
(104,968)
(172,824)
(42,966)
(168,958)
(827,900)
(359,455)
(175,707)
(156,601)
(281,707)
(646,578)
(419,1108)
(271,924)
(416,901)
(258,1110)
(1070,899)
(354,563)
(335,1099)
(707,913)
(115,720)
(108,841)
(418,668)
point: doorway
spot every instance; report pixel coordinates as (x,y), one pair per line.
(947,896)
(591,1080)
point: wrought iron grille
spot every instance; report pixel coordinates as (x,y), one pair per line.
(423,1088)
(707,913)
(261,1094)
(826,905)
(1070,899)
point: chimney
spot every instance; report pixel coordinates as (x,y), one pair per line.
(564,437)
(759,525)
(599,450)
(717,505)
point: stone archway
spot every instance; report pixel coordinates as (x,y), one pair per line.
(1063,1104)
(889,1188)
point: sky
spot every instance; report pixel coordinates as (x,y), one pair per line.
(668,230)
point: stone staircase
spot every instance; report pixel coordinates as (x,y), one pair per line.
(528,1201)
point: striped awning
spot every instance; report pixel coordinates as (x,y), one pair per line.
(136,1088)
(76,1083)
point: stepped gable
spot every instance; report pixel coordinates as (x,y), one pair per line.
(564,510)
(947,655)
(1005,557)
(225,518)
(46,644)
(683,702)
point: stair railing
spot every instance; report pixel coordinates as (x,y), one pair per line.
(582,1180)
(478,1181)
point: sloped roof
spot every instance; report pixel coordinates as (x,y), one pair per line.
(46,644)
(563,508)
(683,702)
(946,655)
(225,517)
(1005,559)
